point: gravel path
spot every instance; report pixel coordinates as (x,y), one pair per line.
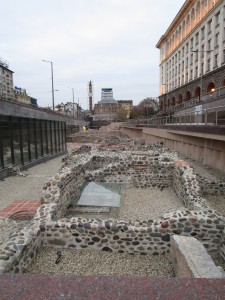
(93,262)
(30,186)
(142,204)
(24,188)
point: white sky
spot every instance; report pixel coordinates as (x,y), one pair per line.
(111,42)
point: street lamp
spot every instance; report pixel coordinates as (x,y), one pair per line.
(73,100)
(53,100)
(167,89)
(202,69)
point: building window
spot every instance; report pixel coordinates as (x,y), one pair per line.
(196,56)
(208,64)
(202,68)
(196,38)
(196,71)
(217,40)
(187,47)
(224,55)
(183,51)
(191,58)
(217,19)
(203,32)
(209,24)
(191,43)
(203,49)
(209,45)
(191,75)
(216,61)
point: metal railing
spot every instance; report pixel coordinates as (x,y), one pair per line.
(208,116)
(12,100)
(208,97)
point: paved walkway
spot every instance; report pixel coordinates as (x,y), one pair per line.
(30,186)
(17,287)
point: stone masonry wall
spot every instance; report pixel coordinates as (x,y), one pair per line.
(136,170)
(145,237)
(186,186)
(17,253)
(211,187)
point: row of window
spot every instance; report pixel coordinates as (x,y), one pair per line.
(191,20)
(178,77)
(204,47)
(25,140)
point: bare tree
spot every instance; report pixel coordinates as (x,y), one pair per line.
(146,108)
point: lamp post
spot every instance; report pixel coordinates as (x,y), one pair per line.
(167,90)
(53,99)
(202,70)
(73,100)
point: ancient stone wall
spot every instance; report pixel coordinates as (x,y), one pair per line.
(211,187)
(140,169)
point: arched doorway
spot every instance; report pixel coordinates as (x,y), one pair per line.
(168,101)
(197,92)
(173,101)
(188,96)
(180,99)
(211,87)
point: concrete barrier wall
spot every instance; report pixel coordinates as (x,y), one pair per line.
(206,148)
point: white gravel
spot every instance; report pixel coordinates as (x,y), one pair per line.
(216,202)
(93,262)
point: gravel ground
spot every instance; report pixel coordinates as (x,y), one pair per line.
(142,204)
(93,262)
(216,202)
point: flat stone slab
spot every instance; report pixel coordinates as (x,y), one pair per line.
(95,194)
(191,260)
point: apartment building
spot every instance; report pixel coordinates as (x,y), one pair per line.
(6,81)
(192,55)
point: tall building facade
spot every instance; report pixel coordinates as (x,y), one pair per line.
(192,55)
(6,81)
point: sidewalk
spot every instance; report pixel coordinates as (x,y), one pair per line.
(30,186)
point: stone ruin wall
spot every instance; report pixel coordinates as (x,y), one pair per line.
(146,237)
(211,187)
(135,170)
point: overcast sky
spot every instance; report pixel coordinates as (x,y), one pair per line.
(111,42)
